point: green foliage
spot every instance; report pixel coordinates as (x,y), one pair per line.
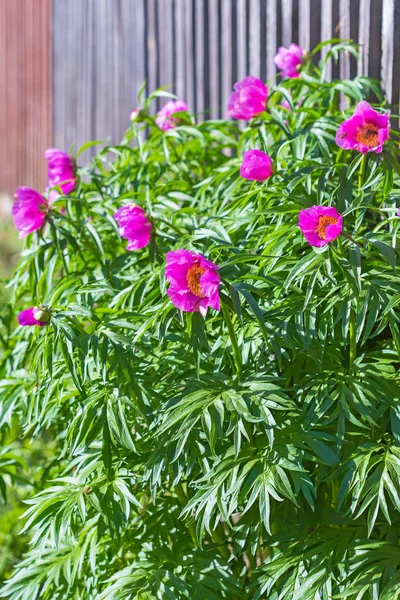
(251,454)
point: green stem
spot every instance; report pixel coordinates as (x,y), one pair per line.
(219,538)
(346,235)
(235,346)
(183,499)
(352,338)
(176,229)
(361,173)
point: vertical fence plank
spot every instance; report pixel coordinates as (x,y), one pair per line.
(25,78)
(304,24)
(315,25)
(375,39)
(326,31)
(287,30)
(363,38)
(179,27)
(241,45)
(165,40)
(199,58)
(151,47)
(344,33)
(387,46)
(214,64)
(271,37)
(254,38)
(190,53)
(226,54)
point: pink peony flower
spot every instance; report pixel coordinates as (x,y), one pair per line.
(60,172)
(134,226)
(289,60)
(320,224)
(366,131)
(398,213)
(256,165)
(34,316)
(29,211)
(164,120)
(194,281)
(248,99)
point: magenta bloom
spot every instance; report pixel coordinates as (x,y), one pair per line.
(248,99)
(398,213)
(289,60)
(256,165)
(134,226)
(320,224)
(164,120)
(33,316)
(194,281)
(60,172)
(29,211)
(366,131)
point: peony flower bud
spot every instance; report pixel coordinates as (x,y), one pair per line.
(165,120)
(61,172)
(256,165)
(134,226)
(289,60)
(248,99)
(39,316)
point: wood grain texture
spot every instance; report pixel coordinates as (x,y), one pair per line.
(25,80)
(102,51)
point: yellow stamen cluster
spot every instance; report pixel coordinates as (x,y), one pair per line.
(323,222)
(367,134)
(193,280)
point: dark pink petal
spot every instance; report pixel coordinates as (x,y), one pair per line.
(134,226)
(289,60)
(248,99)
(183,299)
(26,318)
(194,281)
(29,211)
(61,172)
(309,222)
(164,120)
(366,131)
(210,282)
(205,263)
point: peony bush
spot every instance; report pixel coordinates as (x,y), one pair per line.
(200,393)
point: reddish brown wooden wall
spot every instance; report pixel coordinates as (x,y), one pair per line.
(25,84)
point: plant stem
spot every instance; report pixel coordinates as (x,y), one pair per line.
(352,338)
(183,499)
(176,229)
(361,173)
(346,235)
(232,335)
(219,538)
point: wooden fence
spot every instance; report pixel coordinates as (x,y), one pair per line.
(102,50)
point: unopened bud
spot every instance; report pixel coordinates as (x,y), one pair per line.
(42,313)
